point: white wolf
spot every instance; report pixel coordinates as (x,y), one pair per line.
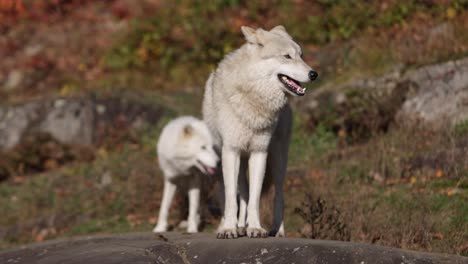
(245,106)
(185,144)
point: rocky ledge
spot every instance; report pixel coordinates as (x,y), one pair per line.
(205,248)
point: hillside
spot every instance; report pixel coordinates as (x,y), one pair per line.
(375,172)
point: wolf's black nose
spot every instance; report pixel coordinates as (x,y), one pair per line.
(313,75)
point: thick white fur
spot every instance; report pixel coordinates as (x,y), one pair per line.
(245,107)
(184,143)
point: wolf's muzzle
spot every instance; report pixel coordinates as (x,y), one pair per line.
(313,75)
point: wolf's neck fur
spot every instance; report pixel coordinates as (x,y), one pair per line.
(250,90)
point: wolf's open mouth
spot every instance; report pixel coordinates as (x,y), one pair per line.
(207,170)
(291,84)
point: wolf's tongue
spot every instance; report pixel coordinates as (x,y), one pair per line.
(210,170)
(294,84)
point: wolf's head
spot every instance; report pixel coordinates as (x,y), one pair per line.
(196,148)
(279,58)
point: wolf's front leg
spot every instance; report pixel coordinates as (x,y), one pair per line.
(168,195)
(194,205)
(257,164)
(230,163)
(244,197)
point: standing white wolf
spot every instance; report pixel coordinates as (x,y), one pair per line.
(185,144)
(245,106)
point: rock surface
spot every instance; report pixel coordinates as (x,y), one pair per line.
(204,248)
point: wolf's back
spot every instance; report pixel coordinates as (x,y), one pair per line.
(209,110)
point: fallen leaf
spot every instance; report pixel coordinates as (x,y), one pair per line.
(451,12)
(452,191)
(134,220)
(62,192)
(19,179)
(102,152)
(41,236)
(463,247)
(377,177)
(152,220)
(342,133)
(51,164)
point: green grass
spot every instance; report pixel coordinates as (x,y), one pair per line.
(93,226)
(305,146)
(461,128)
(430,213)
(77,202)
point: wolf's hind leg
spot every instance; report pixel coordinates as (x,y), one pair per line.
(277,166)
(168,195)
(277,163)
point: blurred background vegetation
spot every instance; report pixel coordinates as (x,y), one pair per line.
(354,173)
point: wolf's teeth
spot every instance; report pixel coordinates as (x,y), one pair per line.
(284,78)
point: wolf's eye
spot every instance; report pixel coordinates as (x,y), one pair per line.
(287,56)
(203,147)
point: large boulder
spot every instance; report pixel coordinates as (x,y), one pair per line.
(442,93)
(435,94)
(69,121)
(79,121)
(205,248)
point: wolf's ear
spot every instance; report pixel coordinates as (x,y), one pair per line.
(249,34)
(278,28)
(188,131)
(281,31)
(253,36)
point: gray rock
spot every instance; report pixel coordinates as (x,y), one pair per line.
(436,94)
(205,248)
(13,80)
(14,121)
(70,121)
(442,95)
(33,49)
(73,120)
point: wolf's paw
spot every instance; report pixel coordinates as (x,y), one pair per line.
(192,229)
(183,224)
(256,232)
(160,229)
(276,233)
(227,233)
(241,231)
(192,226)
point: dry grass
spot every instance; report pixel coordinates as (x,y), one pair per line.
(387,198)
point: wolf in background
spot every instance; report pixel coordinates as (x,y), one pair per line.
(185,145)
(245,107)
